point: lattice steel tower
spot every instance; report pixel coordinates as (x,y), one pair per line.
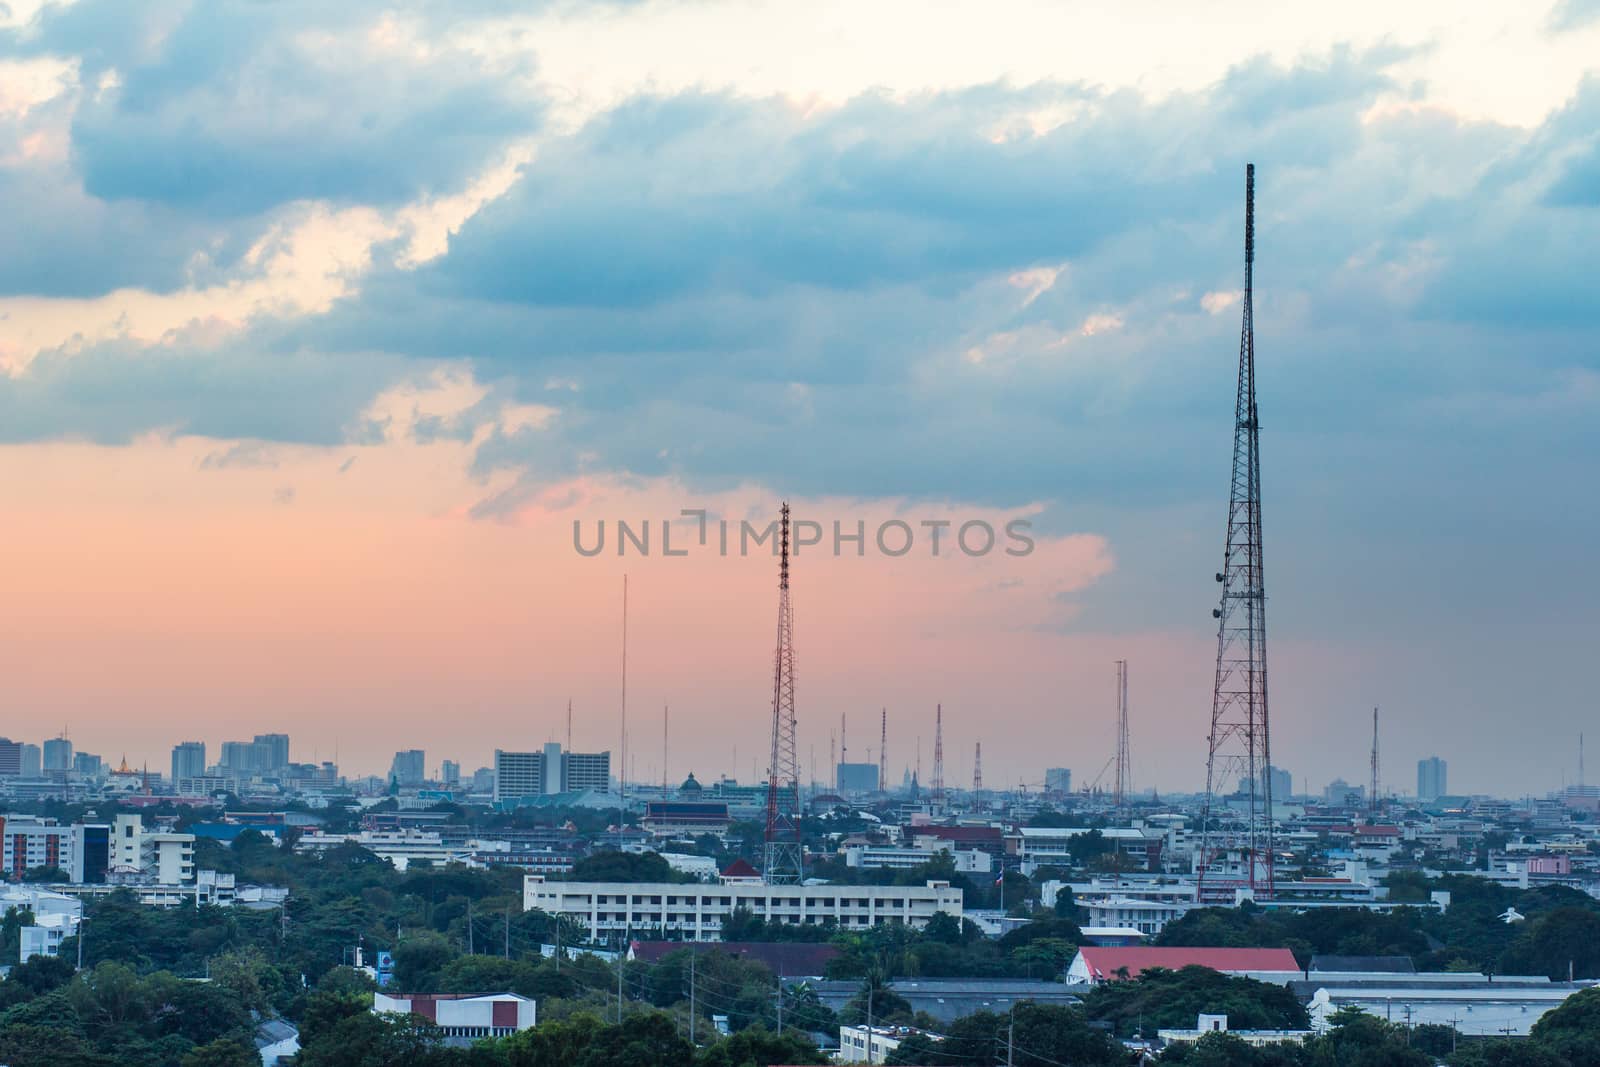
(1241,855)
(784,858)
(937,785)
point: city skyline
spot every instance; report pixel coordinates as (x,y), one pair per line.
(307,378)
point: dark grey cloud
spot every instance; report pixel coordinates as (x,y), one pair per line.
(114,392)
(196,123)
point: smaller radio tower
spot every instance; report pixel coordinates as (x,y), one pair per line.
(936,786)
(883,752)
(1372,799)
(1124,761)
(977,778)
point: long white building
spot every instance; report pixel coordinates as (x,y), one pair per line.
(696,911)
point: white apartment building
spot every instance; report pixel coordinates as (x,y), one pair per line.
(1146,916)
(967,861)
(399,847)
(696,911)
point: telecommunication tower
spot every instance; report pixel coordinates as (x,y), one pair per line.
(1124,761)
(937,785)
(1240,748)
(977,777)
(1372,798)
(883,752)
(784,858)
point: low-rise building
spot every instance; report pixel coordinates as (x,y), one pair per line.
(872,1044)
(1095,964)
(1218,1024)
(1474,1004)
(463,1017)
(696,912)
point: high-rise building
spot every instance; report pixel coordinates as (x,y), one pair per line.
(87,764)
(517,775)
(32,761)
(1431,783)
(188,761)
(450,772)
(586,772)
(1058,780)
(857,778)
(245,758)
(10,757)
(549,771)
(58,754)
(275,752)
(409,767)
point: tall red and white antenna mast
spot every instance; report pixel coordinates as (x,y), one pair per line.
(937,785)
(1240,746)
(784,859)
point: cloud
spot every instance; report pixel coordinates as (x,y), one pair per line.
(114,392)
(243,454)
(1573,15)
(184,128)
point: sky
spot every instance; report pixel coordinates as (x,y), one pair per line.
(323,327)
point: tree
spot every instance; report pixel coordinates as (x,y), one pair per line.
(223,1052)
(757,1046)
(419,959)
(648,1039)
(1165,998)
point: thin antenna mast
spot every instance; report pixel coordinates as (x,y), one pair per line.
(1124,783)
(938,754)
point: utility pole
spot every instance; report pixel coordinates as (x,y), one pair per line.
(1011,1034)
(780,1005)
(508,933)
(869,1021)
(619,981)
(692,955)
(469,926)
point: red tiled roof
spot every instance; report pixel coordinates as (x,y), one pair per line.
(740,868)
(959,833)
(1106,961)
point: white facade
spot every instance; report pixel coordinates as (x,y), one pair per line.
(697,911)
(463,1018)
(863,1044)
(399,847)
(1503,1006)
(1146,916)
(967,861)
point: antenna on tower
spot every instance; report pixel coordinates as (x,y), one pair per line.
(569,724)
(784,857)
(665,735)
(883,752)
(1124,783)
(1239,742)
(833,758)
(977,777)
(1372,801)
(937,785)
